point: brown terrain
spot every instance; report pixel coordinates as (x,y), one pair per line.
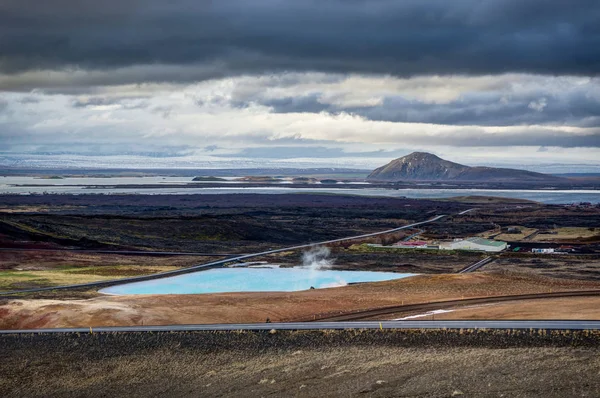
(257,307)
(348,363)
(554,266)
(378,363)
(247,223)
(561,308)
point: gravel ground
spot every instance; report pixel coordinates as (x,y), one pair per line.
(317,364)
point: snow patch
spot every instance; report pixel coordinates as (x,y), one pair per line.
(430,313)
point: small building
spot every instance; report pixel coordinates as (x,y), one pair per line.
(418,244)
(475,243)
(407,245)
(542,250)
(513,230)
(566,249)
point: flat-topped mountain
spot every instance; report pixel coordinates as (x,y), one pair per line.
(425,166)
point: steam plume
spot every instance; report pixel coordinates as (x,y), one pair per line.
(317,258)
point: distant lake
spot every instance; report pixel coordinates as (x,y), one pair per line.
(111,186)
(224,280)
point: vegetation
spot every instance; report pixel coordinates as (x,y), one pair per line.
(505,236)
(208,178)
(259,179)
(568,233)
(477,199)
(50,178)
(365,248)
(69,275)
(304,180)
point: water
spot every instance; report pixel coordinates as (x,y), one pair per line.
(8,185)
(224,280)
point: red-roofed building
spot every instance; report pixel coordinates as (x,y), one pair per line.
(416,243)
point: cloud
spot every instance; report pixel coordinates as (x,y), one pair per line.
(213,39)
(488,100)
(164,111)
(293,152)
(149,150)
(316,116)
(283,79)
(107,102)
(29,100)
(538,105)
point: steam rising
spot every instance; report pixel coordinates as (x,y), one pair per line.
(317,258)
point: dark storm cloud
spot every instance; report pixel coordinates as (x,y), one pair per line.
(528,137)
(483,109)
(491,111)
(466,138)
(302,104)
(231,37)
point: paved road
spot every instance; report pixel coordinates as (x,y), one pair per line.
(408,324)
(409,237)
(397,309)
(466,211)
(477,265)
(214,264)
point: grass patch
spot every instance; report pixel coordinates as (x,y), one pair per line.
(67,275)
(514,237)
(475,199)
(568,233)
(364,248)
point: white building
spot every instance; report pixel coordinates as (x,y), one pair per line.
(481,244)
(542,251)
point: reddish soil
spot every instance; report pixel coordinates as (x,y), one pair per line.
(279,306)
(560,308)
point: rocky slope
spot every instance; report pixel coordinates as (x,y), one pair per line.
(428,167)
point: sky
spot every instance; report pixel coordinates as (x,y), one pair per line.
(348,83)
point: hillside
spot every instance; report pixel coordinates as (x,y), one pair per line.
(425,166)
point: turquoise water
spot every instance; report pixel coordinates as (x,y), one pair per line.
(250,280)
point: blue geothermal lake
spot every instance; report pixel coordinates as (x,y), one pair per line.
(250,280)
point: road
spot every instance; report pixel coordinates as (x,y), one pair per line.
(466,211)
(397,309)
(214,264)
(477,265)
(408,324)
(409,237)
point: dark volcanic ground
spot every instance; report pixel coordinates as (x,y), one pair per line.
(204,223)
(302,364)
(156,203)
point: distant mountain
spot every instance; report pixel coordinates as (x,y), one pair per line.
(425,166)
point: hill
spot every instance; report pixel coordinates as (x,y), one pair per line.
(425,166)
